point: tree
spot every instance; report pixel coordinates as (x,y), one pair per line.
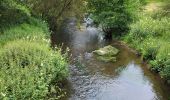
(54,11)
(113,15)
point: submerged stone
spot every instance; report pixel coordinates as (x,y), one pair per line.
(107,51)
(106,59)
(107,54)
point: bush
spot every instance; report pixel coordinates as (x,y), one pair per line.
(28,68)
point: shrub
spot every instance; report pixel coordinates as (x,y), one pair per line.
(28,68)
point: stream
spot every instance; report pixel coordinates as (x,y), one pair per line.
(127,79)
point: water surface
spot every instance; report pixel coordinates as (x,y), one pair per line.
(90,79)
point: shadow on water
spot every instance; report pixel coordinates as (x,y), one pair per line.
(90,79)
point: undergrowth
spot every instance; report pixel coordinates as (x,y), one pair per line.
(29,68)
(150,36)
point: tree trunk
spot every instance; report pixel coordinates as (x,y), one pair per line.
(108,33)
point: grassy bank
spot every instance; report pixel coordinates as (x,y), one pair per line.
(34,29)
(28,66)
(150,36)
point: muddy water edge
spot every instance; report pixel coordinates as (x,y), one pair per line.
(127,79)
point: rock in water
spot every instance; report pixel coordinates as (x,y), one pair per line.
(107,51)
(107,54)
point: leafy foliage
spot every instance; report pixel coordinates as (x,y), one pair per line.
(150,36)
(28,68)
(56,11)
(113,15)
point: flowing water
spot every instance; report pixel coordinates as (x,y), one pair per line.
(126,79)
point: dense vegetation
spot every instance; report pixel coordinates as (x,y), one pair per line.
(114,15)
(150,36)
(56,11)
(29,68)
(146,24)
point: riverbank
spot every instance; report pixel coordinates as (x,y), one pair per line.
(29,67)
(150,37)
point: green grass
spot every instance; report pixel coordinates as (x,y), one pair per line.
(33,30)
(29,68)
(150,36)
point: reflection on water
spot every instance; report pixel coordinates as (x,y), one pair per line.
(130,84)
(90,79)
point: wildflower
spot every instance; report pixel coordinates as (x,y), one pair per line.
(42,64)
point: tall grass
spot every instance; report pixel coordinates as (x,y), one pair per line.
(28,66)
(150,36)
(33,29)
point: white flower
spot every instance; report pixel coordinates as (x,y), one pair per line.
(42,64)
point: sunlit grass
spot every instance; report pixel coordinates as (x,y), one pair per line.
(35,29)
(150,36)
(28,66)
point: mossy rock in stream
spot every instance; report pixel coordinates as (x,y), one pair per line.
(107,51)
(107,54)
(106,59)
